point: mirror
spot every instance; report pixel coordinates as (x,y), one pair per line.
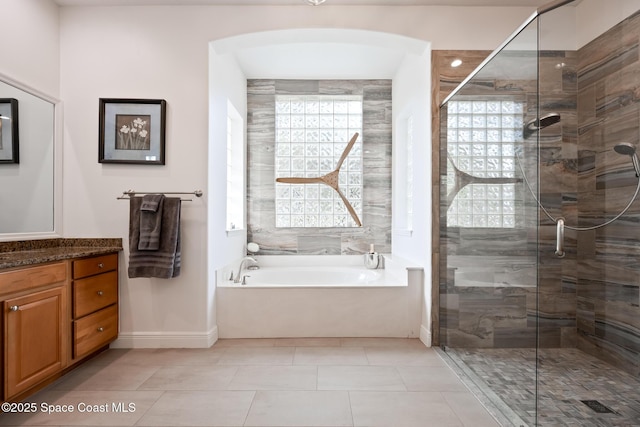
(28,190)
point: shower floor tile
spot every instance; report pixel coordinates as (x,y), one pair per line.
(566,377)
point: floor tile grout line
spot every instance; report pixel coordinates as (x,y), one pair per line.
(366,356)
(453,411)
(137,423)
(404,383)
(353,419)
(246,417)
(237,369)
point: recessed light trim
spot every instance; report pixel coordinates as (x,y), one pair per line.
(456,63)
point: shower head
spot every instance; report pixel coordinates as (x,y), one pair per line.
(625,148)
(536,124)
(628,149)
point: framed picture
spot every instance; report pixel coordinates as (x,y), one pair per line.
(9,142)
(132,131)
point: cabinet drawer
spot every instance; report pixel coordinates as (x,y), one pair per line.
(95,292)
(94,265)
(32,277)
(94,331)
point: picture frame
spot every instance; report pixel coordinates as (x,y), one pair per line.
(132,131)
(9,138)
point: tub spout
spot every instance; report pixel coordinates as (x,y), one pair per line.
(374,261)
(244,260)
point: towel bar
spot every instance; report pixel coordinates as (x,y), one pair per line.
(130,193)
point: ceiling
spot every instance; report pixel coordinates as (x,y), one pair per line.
(522,3)
(353,55)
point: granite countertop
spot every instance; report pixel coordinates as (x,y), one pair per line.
(29,252)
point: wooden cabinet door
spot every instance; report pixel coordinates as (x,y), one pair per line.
(33,339)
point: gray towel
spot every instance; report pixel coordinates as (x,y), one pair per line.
(150,222)
(164,262)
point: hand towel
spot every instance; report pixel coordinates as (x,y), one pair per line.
(150,222)
(165,262)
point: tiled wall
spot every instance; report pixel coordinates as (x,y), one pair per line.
(608,266)
(558,173)
(376,138)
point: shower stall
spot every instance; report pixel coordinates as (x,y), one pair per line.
(539,268)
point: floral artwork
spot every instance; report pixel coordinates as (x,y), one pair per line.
(132,132)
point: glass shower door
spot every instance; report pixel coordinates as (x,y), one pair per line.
(546,129)
(589,300)
(488,229)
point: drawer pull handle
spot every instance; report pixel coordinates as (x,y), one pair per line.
(100,293)
(100,329)
(101,265)
(14,308)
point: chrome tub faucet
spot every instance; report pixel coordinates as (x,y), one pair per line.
(253,266)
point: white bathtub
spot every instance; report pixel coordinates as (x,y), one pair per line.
(320,296)
(308,276)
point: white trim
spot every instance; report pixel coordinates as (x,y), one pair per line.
(58,168)
(57,164)
(30,89)
(425,336)
(8,237)
(166,339)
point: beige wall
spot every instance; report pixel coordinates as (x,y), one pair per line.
(30,48)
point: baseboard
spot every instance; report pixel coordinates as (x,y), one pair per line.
(425,336)
(166,339)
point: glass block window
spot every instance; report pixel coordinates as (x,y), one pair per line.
(311,134)
(481,138)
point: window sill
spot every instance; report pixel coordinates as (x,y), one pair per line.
(235,232)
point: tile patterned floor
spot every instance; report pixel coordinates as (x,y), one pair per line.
(270,382)
(507,377)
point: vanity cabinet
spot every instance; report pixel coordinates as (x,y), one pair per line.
(55,314)
(95,303)
(34,323)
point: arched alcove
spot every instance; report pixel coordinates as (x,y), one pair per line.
(326,53)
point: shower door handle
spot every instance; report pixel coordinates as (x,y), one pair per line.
(560,238)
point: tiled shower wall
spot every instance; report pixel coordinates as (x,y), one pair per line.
(376,138)
(608,266)
(558,174)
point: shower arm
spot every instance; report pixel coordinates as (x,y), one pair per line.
(593,227)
